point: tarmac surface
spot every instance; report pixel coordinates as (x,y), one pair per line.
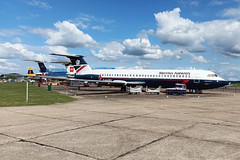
(112,125)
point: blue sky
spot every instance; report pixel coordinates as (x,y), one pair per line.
(173,34)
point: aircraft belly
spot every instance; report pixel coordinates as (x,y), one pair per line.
(168,83)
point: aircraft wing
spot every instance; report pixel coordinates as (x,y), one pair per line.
(100,82)
(119,82)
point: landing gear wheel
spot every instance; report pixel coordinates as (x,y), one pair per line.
(123,89)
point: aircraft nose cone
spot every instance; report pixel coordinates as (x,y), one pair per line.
(224,83)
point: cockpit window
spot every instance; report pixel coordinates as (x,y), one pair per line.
(212,75)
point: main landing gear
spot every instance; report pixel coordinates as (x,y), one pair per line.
(198,91)
(123,89)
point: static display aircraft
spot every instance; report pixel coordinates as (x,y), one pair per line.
(31,73)
(193,79)
(44,71)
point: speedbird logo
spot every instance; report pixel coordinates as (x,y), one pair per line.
(71,69)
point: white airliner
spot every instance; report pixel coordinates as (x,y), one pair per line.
(194,79)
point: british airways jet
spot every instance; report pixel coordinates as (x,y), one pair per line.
(193,79)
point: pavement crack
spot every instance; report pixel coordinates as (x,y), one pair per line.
(208,140)
(154,141)
(72,129)
(9,136)
(58,148)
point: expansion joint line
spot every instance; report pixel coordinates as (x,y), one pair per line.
(72,129)
(154,141)
(212,141)
(61,149)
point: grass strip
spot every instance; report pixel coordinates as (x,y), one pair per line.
(14,94)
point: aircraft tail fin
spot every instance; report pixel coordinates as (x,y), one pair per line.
(30,72)
(78,64)
(42,67)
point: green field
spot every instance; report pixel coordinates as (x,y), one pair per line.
(235,84)
(14,94)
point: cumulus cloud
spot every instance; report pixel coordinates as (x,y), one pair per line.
(111,51)
(141,48)
(221,35)
(66,34)
(179,31)
(231,72)
(19,51)
(7,66)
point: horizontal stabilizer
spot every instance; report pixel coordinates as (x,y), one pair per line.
(64,63)
(75,60)
(35,61)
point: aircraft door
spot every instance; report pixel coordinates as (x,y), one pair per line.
(196,80)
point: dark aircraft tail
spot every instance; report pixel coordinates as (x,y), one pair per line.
(75,60)
(78,64)
(42,67)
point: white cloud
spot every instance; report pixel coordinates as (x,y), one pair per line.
(189,2)
(41,31)
(111,51)
(231,73)
(10,32)
(221,35)
(141,48)
(19,51)
(100,28)
(86,21)
(232,12)
(39,3)
(216,2)
(29,16)
(17,40)
(179,31)
(7,66)
(198,59)
(68,35)
(225,63)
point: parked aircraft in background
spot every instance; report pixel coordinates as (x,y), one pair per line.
(194,79)
(44,71)
(30,73)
